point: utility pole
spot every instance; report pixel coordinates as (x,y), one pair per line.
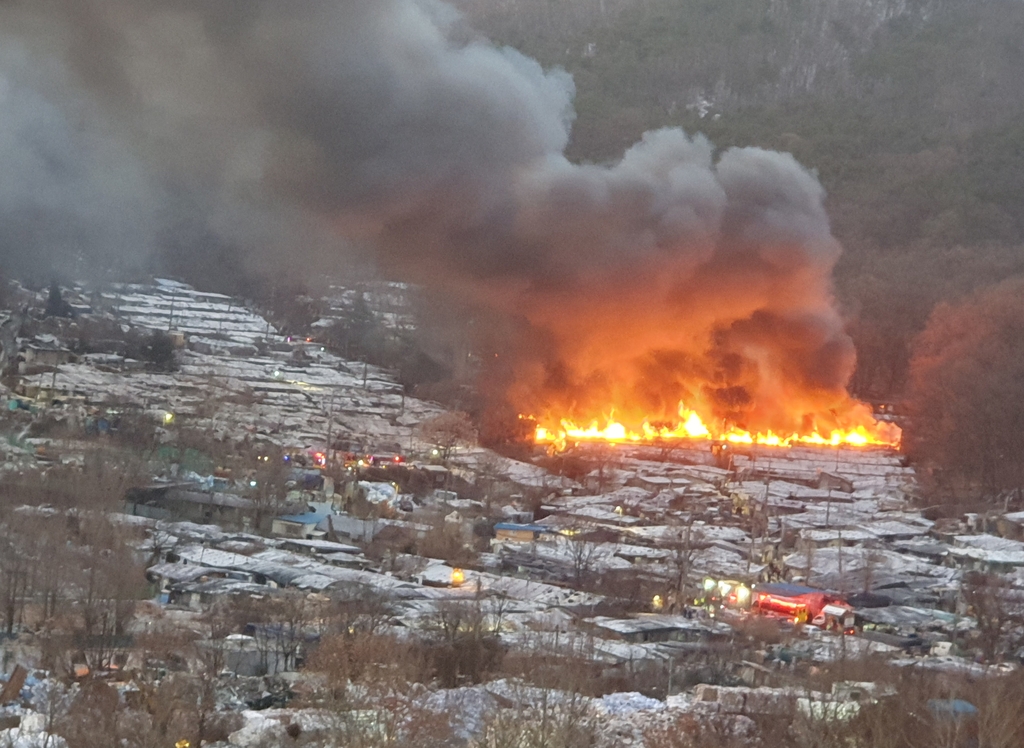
(842,581)
(828,505)
(764,507)
(330,428)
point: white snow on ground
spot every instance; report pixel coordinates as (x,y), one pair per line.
(467,708)
(259,729)
(291,394)
(618,704)
(19,737)
(31,733)
(171,305)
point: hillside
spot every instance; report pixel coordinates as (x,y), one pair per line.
(909,111)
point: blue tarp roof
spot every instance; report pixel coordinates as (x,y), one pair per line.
(309,518)
(785,589)
(512,526)
(955,708)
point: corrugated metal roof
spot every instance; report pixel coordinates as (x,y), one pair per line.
(308,518)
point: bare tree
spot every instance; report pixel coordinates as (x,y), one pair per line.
(989,600)
(683,545)
(554,717)
(690,731)
(373,698)
(181,706)
(93,716)
(54,703)
(583,554)
(1000,718)
(268,475)
(445,541)
(360,608)
(602,458)
(107,588)
(465,646)
(447,432)
(15,566)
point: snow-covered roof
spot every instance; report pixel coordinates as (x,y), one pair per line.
(989,543)
(322,546)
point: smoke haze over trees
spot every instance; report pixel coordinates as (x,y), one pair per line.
(967,389)
(909,113)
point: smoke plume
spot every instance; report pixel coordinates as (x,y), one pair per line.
(388,126)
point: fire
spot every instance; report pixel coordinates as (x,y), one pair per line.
(691,426)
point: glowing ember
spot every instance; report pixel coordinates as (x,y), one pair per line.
(691,427)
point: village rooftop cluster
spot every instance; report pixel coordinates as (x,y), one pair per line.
(289,509)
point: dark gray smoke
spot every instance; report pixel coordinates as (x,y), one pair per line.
(69,195)
(387,125)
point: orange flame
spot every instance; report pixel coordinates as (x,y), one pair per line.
(692,427)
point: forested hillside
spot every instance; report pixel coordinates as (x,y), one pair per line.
(911,113)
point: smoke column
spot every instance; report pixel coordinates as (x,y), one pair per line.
(387,125)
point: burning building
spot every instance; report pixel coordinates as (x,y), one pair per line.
(677,292)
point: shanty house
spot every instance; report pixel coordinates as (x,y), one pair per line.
(44,351)
(657,628)
(522,533)
(299,525)
(179,503)
(1011,525)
